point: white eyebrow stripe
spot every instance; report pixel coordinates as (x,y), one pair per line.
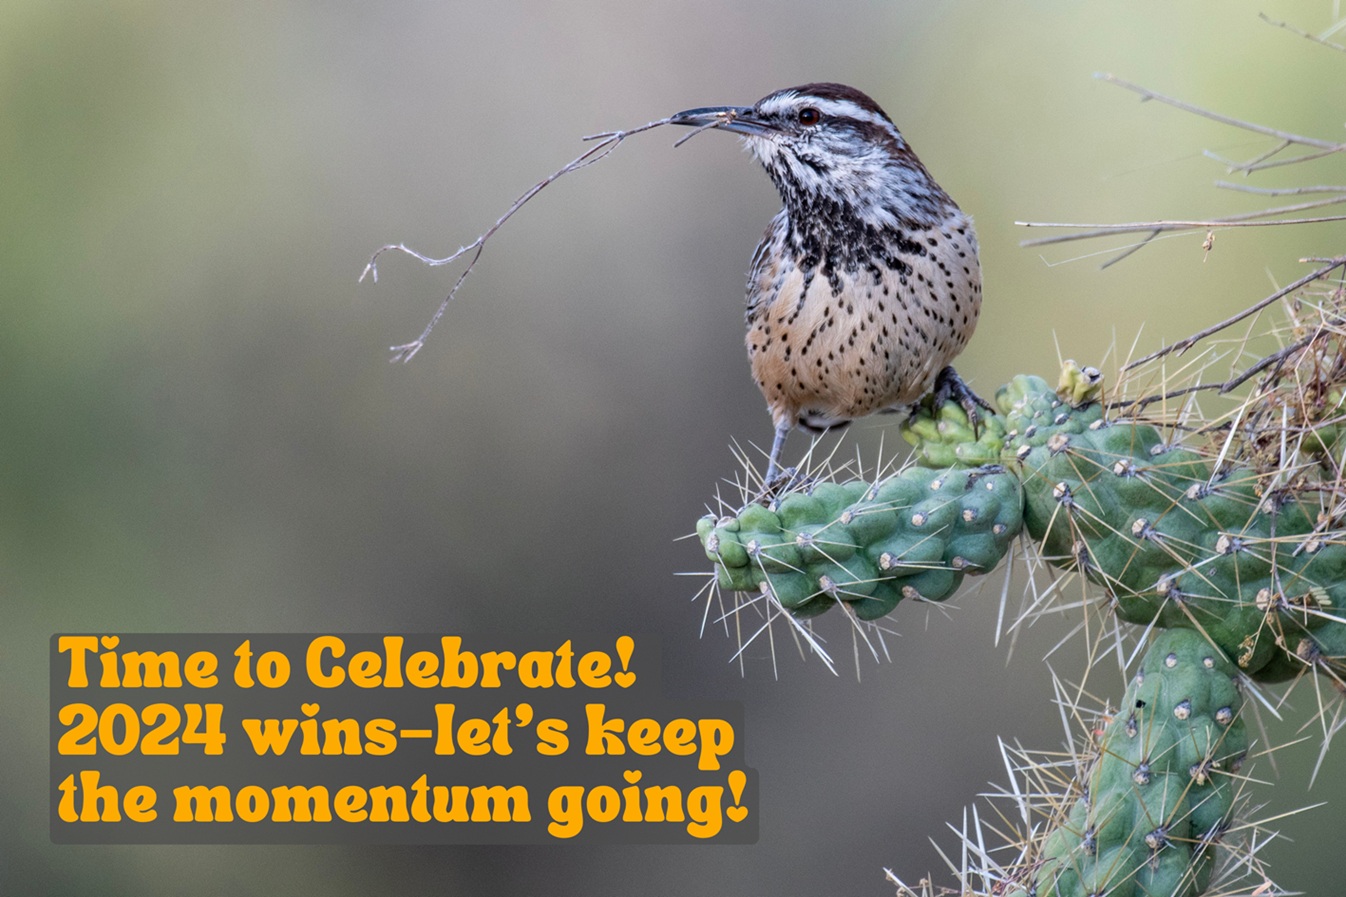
(834,108)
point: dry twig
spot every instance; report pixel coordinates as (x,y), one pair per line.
(1293,30)
(1285,136)
(1183,345)
(607,142)
(1152,229)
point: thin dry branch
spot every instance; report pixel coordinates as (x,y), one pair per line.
(1281,191)
(1247,219)
(1304,34)
(1147,94)
(1183,345)
(608,141)
(1103,230)
(1260,218)
(1258,165)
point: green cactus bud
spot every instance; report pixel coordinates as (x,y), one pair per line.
(1079,385)
(944,436)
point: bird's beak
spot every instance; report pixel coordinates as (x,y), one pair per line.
(739,119)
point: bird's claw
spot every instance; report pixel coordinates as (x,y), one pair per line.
(780,483)
(950,387)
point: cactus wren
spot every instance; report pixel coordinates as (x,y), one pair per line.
(866,284)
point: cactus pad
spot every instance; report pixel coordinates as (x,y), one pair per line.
(868,545)
(1157,788)
(1176,541)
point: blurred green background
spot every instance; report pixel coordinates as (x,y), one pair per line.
(199,429)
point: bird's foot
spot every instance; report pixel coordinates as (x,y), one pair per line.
(950,387)
(778,483)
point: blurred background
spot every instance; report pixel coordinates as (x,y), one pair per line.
(199,429)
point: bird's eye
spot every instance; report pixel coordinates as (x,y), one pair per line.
(809,116)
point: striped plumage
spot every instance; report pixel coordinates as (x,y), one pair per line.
(866,283)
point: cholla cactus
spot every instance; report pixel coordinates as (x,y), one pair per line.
(868,545)
(1175,539)
(1235,557)
(1205,518)
(1156,790)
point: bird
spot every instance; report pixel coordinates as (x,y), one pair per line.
(867,282)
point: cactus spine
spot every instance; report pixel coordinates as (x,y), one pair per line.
(1157,787)
(1237,574)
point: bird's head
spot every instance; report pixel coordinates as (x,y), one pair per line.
(831,144)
